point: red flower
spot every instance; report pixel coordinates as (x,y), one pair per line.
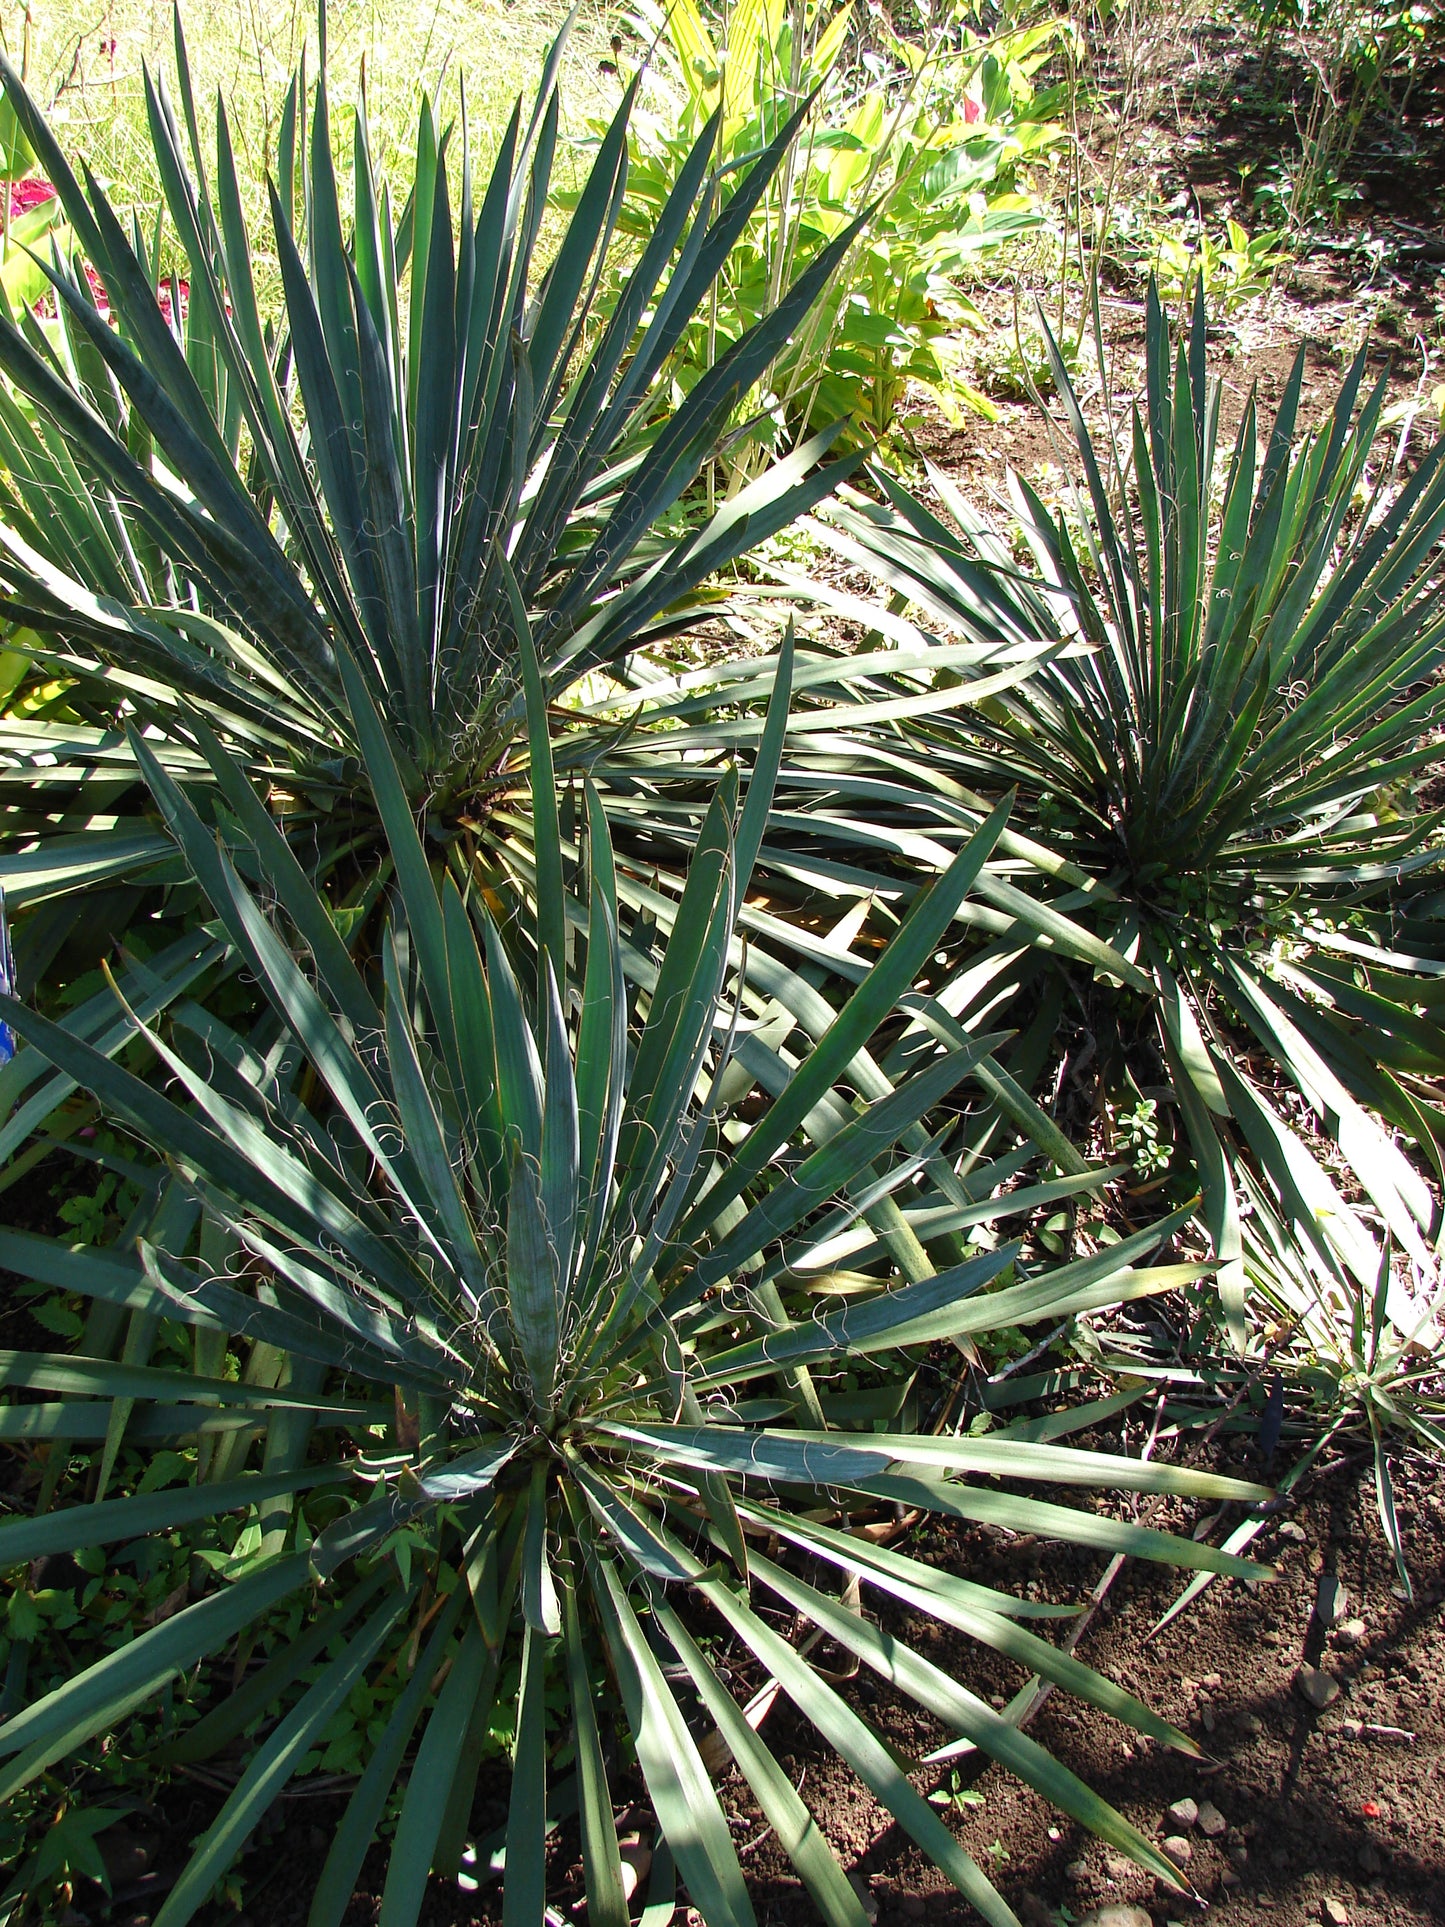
(45,309)
(30,193)
(971,110)
(163,296)
(97,290)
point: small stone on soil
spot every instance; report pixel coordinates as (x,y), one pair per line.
(1290,1529)
(1351,1633)
(636,1863)
(1253,1723)
(1211,1821)
(1330,1601)
(1115,1916)
(1320,1689)
(1077,1872)
(1178,1849)
(1334,1913)
(1184,1813)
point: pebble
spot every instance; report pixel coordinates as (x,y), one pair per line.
(1253,1723)
(1115,1916)
(1351,1632)
(1334,1913)
(1229,1878)
(1184,1813)
(1076,1872)
(1290,1529)
(1331,1600)
(1320,1689)
(1211,1821)
(636,1863)
(1178,1849)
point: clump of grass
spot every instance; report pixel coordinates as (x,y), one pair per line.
(86,63)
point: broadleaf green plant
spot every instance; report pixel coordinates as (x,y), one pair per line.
(933,141)
(1224,772)
(540,1202)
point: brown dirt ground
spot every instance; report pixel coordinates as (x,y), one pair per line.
(1316,1808)
(1295,1789)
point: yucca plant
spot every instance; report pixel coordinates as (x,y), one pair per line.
(1223,767)
(575,1219)
(1341,1364)
(424,439)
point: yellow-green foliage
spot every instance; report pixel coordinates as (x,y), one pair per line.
(85,64)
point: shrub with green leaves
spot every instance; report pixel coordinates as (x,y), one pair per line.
(932,139)
(570,1204)
(1221,758)
(436,446)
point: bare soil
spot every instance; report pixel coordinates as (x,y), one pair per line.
(1345,1805)
(1317,1805)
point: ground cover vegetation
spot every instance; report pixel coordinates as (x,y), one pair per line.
(603,957)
